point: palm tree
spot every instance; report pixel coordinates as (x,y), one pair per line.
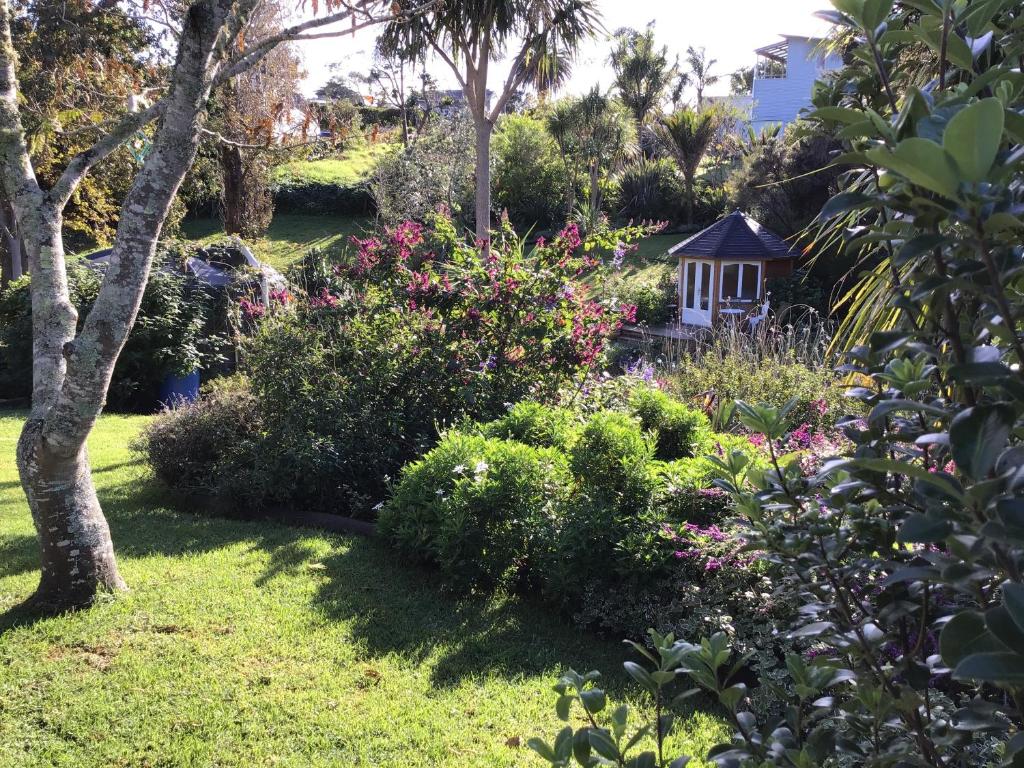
(642,72)
(595,135)
(468,35)
(686,136)
(700,72)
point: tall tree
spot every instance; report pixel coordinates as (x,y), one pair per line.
(468,35)
(71,368)
(255,117)
(595,135)
(686,135)
(700,76)
(642,72)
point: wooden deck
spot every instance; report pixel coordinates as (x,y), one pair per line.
(656,333)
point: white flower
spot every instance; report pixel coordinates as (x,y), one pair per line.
(439,492)
(460,469)
(481,467)
(379,507)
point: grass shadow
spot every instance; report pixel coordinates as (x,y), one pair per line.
(18,555)
(400,608)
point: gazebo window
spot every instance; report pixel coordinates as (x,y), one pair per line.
(740,282)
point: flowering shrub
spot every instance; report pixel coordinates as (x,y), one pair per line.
(359,366)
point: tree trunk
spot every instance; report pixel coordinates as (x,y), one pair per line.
(13,265)
(595,196)
(484,128)
(231,188)
(77,551)
(688,183)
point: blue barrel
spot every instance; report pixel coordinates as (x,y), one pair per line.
(179,389)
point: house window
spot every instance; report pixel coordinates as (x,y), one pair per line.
(740,282)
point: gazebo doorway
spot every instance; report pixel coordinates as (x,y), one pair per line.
(698,290)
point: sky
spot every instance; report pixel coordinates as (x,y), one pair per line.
(730,30)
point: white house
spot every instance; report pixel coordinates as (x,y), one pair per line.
(784,77)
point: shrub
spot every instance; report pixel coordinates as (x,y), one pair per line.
(528,174)
(649,189)
(535,424)
(729,375)
(654,301)
(611,460)
(473,505)
(174,333)
(681,431)
(196,447)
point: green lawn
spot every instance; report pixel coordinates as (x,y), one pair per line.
(354,166)
(289,236)
(251,644)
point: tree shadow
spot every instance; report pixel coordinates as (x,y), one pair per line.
(400,608)
(18,555)
(390,606)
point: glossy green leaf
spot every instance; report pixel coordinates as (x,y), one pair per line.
(996,668)
(922,162)
(973,138)
(978,435)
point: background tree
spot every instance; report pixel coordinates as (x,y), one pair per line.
(389,83)
(595,135)
(642,73)
(79,66)
(686,136)
(469,34)
(741,82)
(255,113)
(699,75)
(72,365)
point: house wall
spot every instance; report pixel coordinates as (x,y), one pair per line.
(780,100)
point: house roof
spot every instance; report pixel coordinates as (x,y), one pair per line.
(736,236)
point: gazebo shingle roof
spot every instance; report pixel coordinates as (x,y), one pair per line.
(736,236)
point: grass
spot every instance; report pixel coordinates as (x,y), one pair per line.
(289,236)
(354,166)
(252,644)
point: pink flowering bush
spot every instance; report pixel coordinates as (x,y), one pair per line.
(359,366)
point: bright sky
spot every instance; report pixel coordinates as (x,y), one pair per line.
(730,30)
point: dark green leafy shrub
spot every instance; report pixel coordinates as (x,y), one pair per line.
(296,195)
(654,301)
(681,431)
(473,505)
(535,424)
(197,447)
(649,189)
(175,333)
(528,173)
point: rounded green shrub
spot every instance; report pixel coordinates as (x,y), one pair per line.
(535,424)
(681,431)
(611,460)
(472,507)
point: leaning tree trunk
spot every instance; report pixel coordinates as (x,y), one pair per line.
(484,128)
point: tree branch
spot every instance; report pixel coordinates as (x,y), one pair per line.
(83,162)
(296,32)
(15,164)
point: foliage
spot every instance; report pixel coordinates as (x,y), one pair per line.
(380,351)
(195,447)
(78,63)
(528,175)
(903,555)
(784,179)
(472,505)
(648,189)
(595,136)
(773,365)
(434,171)
(541,426)
(654,300)
(642,72)
(682,431)
(175,333)
(686,135)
